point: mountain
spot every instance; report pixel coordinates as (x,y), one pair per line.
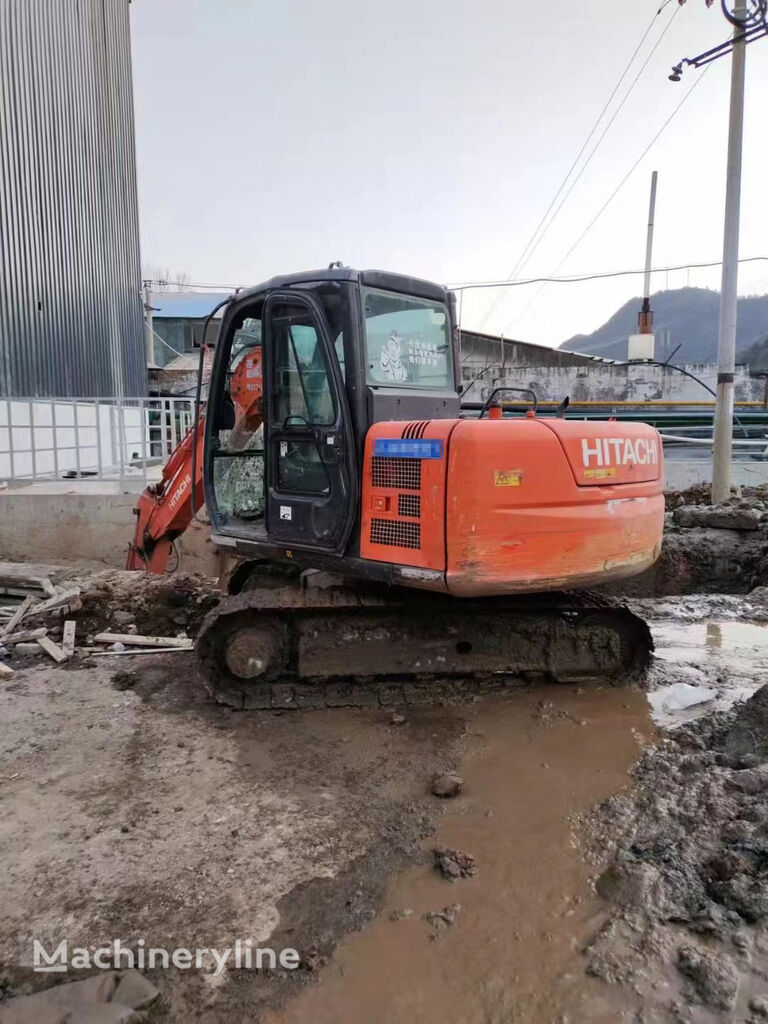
(690,315)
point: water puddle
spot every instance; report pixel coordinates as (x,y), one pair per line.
(533,760)
(714,664)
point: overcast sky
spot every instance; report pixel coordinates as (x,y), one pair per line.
(429,137)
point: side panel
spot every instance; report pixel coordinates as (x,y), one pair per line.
(404,492)
(518,521)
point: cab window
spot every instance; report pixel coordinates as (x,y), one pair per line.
(407,341)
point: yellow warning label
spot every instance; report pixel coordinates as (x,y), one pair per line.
(600,474)
(507,477)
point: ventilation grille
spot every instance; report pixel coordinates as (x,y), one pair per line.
(404,474)
(409,505)
(395,534)
(415,430)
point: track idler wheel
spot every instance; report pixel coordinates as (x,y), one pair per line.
(241,656)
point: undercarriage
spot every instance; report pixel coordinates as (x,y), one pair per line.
(306,646)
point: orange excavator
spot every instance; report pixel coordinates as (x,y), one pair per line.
(387,541)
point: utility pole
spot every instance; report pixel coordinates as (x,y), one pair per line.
(643,344)
(726,348)
(149,333)
(645,320)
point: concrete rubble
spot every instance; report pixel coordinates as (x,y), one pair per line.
(116,997)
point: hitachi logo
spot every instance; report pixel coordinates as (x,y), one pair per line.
(187,480)
(618,451)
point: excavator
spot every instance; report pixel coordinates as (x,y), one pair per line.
(388,543)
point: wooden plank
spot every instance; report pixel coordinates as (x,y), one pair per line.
(11,591)
(17,616)
(93,653)
(5,671)
(52,649)
(68,638)
(135,640)
(24,635)
(69,597)
(48,587)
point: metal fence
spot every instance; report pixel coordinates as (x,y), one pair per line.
(90,438)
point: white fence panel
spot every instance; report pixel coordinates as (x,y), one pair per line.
(50,438)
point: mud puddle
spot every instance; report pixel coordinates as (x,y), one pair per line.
(513,950)
(714,664)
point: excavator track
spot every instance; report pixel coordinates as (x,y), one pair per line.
(293,647)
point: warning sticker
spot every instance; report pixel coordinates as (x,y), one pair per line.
(600,474)
(507,477)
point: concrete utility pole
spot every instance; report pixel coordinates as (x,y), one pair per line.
(645,322)
(149,331)
(726,348)
(643,344)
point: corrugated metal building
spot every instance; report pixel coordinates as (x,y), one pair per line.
(71,320)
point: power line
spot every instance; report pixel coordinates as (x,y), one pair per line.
(534,242)
(613,194)
(599,275)
(162,283)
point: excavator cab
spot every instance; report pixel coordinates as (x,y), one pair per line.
(339,349)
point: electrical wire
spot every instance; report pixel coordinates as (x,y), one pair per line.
(533,241)
(613,194)
(598,276)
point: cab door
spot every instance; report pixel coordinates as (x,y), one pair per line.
(311,491)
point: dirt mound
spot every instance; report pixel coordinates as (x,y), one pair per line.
(154,605)
(686,873)
(701,494)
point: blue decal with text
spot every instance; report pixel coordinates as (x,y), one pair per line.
(407,448)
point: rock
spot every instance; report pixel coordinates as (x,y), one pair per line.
(453,864)
(690,516)
(447,784)
(629,884)
(28,649)
(401,914)
(748,733)
(714,978)
(734,519)
(750,780)
(442,919)
(397,718)
(117,646)
(718,517)
(122,617)
(759,1006)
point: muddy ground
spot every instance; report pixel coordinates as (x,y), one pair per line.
(618,838)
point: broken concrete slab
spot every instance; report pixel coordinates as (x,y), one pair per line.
(718,517)
(115,997)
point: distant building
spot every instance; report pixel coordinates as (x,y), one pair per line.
(493,356)
(71,318)
(178,319)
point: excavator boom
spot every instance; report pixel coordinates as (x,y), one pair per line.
(165,509)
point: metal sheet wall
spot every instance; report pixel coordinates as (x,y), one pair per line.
(71,320)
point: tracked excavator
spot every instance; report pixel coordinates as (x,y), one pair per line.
(388,542)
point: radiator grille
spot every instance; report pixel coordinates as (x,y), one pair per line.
(409,505)
(405,474)
(395,534)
